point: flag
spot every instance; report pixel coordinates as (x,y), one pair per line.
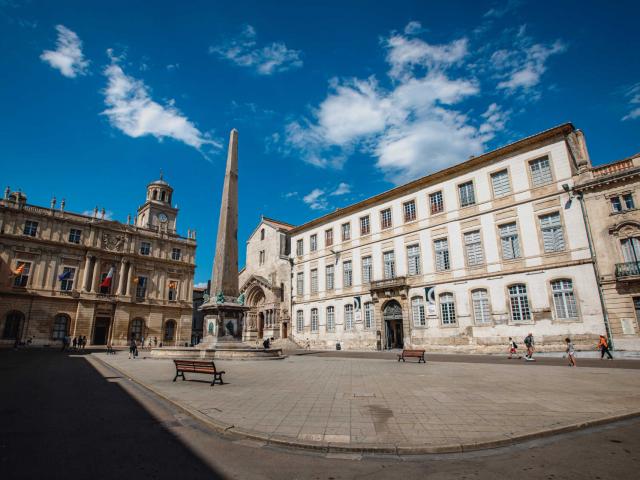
(173,284)
(64,275)
(106,283)
(136,280)
(18,271)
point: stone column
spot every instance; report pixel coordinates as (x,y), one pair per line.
(130,280)
(96,276)
(121,277)
(85,273)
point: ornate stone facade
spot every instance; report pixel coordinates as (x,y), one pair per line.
(53,266)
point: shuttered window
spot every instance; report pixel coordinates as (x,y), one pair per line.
(481,310)
(329,280)
(413,258)
(441,247)
(299,320)
(299,247)
(365,225)
(347,273)
(348,316)
(552,234)
(385,218)
(368,315)
(300,283)
(409,211)
(500,182)
(473,247)
(314,280)
(447,309)
(331,319)
(540,172)
(563,299)
(367,270)
(520,310)
(510,241)
(314,319)
(467,195)
(436,202)
(389,265)
(417,311)
(313,242)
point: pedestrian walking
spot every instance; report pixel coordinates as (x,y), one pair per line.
(513,348)
(75,342)
(603,345)
(530,344)
(65,343)
(155,341)
(84,342)
(308,345)
(133,348)
(142,342)
(571,352)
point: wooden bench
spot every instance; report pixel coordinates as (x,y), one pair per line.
(196,366)
(419,354)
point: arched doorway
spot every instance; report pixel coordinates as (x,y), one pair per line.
(260,324)
(392,317)
(169,332)
(13,325)
(136,329)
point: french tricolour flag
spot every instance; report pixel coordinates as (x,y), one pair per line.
(107,280)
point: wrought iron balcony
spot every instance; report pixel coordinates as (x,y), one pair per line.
(389,283)
(627,270)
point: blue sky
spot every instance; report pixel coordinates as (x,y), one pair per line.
(334,101)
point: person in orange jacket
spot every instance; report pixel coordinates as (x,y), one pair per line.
(603,345)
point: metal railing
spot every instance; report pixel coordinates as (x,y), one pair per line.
(628,269)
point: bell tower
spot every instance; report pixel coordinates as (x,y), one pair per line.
(157,213)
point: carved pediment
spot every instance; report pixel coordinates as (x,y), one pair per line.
(256,280)
(625,229)
(112,242)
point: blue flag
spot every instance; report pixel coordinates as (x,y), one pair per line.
(64,275)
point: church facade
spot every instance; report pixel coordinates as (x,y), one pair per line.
(63,273)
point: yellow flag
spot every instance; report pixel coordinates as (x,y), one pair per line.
(19,270)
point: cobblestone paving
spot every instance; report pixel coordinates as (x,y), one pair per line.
(383,402)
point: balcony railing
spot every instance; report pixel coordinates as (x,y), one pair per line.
(629,269)
(388,283)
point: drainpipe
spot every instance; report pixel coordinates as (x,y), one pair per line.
(596,270)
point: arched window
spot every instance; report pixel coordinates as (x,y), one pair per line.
(12,325)
(481,310)
(417,311)
(169,330)
(163,195)
(519,299)
(314,319)
(563,299)
(447,308)
(155,194)
(60,326)
(137,326)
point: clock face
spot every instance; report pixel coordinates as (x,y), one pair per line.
(162,217)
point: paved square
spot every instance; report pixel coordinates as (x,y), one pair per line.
(349,401)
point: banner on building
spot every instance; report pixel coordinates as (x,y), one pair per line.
(357,309)
(430,295)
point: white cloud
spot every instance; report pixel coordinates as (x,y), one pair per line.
(315,199)
(633,94)
(173,66)
(342,189)
(107,216)
(131,110)
(501,11)
(67,57)
(201,285)
(413,28)
(244,51)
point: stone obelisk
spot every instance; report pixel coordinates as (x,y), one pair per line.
(224,312)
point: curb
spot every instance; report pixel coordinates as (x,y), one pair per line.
(226,429)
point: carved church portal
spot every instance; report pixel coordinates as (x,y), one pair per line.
(392,316)
(260,325)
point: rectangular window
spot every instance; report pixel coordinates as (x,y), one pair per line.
(145,248)
(141,287)
(329,277)
(347,273)
(173,290)
(314,320)
(629,204)
(365,225)
(331,319)
(22,277)
(176,254)
(466,193)
(74,235)
(552,234)
(313,242)
(473,248)
(66,279)
(540,172)
(368,315)
(436,203)
(500,183)
(447,309)
(509,241)
(620,203)
(417,311)
(519,300)
(348,316)
(30,228)
(300,320)
(616,204)
(481,310)
(300,283)
(314,280)
(413,259)
(261,257)
(385,218)
(346,231)
(563,299)
(409,209)
(389,259)
(441,248)
(367,269)
(631,249)
(328,237)
(300,247)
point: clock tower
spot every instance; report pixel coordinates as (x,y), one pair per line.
(157,213)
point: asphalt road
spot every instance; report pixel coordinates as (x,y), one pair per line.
(69,416)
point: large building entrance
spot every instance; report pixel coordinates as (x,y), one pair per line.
(392,317)
(101,331)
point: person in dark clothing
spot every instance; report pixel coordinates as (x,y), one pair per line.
(603,345)
(267,343)
(75,342)
(133,348)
